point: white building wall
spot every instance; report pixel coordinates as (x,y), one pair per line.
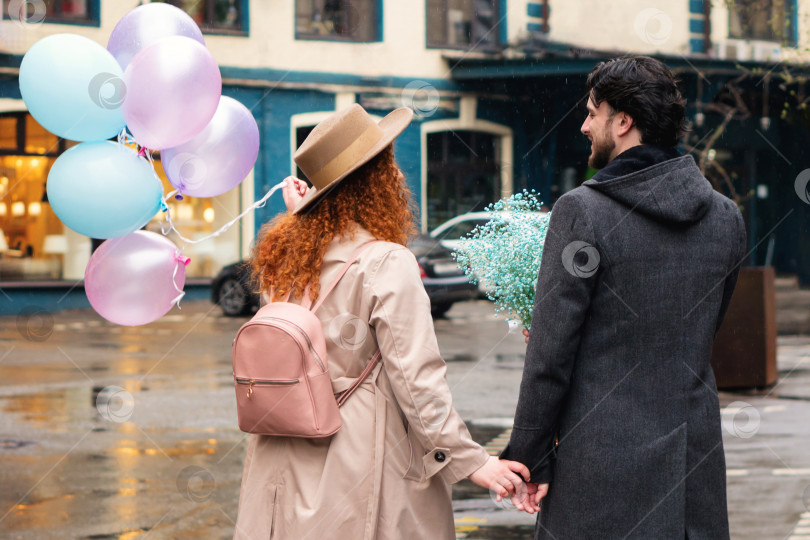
(652,26)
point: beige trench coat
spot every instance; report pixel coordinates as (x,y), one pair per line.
(387,473)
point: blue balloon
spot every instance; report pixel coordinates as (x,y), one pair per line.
(74,87)
(103,189)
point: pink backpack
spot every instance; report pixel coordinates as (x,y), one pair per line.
(281,374)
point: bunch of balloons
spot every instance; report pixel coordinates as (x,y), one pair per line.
(157,79)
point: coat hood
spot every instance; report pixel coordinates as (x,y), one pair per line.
(673,191)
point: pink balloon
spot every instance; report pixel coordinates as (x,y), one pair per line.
(147,24)
(129,279)
(172,91)
(217,159)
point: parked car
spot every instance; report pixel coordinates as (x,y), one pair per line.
(444,281)
(453,232)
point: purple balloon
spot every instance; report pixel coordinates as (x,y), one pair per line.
(147,24)
(173,89)
(129,279)
(217,159)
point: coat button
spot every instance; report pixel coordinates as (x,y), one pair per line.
(439,456)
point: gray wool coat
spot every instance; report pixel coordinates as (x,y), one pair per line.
(618,405)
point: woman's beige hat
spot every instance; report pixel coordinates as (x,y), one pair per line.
(341,144)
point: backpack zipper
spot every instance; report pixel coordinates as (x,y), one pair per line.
(306,337)
(251,382)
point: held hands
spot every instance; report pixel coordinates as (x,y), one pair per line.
(535,493)
(498,475)
(526,333)
(293,192)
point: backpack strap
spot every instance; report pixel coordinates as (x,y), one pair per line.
(342,272)
(341,399)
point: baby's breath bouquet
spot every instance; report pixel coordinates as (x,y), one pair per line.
(504,254)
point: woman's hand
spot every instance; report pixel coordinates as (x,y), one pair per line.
(293,192)
(526,333)
(498,475)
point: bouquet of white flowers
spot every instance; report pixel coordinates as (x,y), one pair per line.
(504,254)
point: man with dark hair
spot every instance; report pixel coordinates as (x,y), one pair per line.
(618,417)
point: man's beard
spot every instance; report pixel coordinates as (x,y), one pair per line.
(601,149)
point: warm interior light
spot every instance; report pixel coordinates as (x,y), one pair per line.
(3,209)
(185,212)
(18,209)
(208,215)
(34,208)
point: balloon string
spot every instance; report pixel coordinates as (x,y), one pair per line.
(179,259)
(258,204)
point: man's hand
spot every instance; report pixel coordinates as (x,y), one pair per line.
(535,494)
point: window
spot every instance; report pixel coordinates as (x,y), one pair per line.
(463,174)
(348,20)
(58,11)
(33,245)
(770,20)
(214,16)
(301,135)
(462,24)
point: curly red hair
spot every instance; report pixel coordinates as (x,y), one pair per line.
(290,249)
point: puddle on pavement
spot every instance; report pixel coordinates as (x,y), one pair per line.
(8,443)
(510,361)
(461,357)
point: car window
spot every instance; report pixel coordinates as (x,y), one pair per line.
(461,229)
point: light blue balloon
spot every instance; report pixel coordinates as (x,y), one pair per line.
(74,87)
(103,189)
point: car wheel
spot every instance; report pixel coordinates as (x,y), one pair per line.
(439,310)
(233,298)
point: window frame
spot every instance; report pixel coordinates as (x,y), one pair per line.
(244,20)
(22,139)
(789,38)
(93,17)
(497,31)
(378,28)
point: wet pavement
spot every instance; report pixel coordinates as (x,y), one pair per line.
(109,432)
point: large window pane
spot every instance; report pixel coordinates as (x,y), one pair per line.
(8,133)
(213,15)
(464,174)
(351,20)
(462,23)
(768,20)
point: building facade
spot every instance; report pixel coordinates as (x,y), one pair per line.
(497,87)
